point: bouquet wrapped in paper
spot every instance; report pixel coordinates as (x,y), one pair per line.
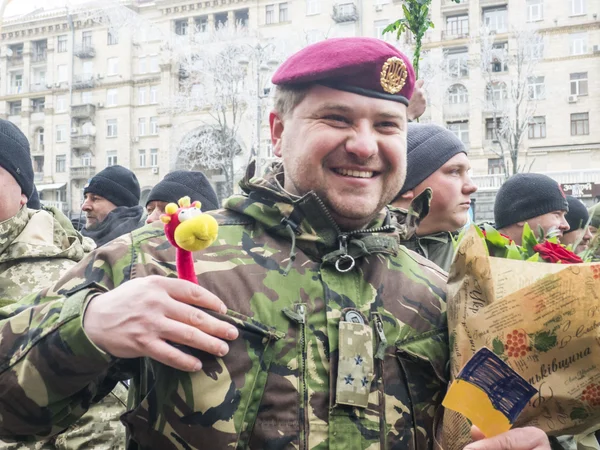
(542,319)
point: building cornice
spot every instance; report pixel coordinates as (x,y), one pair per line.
(169,8)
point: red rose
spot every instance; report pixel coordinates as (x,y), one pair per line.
(556,253)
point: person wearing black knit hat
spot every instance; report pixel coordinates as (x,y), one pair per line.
(436,159)
(530,198)
(178,184)
(579,231)
(111,204)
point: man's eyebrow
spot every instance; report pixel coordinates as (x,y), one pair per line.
(334,107)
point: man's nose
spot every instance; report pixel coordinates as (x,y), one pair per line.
(363,143)
(564,225)
(86,205)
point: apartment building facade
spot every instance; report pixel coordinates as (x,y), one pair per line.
(95,86)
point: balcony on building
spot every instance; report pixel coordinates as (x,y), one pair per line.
(82,141)
(14,55)
(345,12)
(450,6)
(82,169)
(38,86)
(61,206)
(39,52)
(85,111)
(84,81)
(456,111)
(85,51)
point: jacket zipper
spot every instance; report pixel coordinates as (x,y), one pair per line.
(379,357)
(299,317)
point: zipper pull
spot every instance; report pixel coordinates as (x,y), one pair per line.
(344,257)
(298,316)
(382,340)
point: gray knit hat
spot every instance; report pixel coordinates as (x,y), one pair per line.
(578,215)
(15,156)
(429,147)
(527,195)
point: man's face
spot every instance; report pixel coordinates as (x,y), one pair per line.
(549,221)
(11,197)
(452,189)
(96,209)
(155,209)
(583,235)
(348,148)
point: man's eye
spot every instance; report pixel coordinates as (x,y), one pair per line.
(388,125)
(337,118)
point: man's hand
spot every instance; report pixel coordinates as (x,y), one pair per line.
(528,438)
(418,102)
(138,317)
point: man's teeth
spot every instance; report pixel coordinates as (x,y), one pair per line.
(355,173)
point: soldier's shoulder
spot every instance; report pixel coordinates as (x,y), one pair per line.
(423,262)
(227,217)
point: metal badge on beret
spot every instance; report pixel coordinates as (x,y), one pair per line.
(393,75)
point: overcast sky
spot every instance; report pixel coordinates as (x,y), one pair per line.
(18,7)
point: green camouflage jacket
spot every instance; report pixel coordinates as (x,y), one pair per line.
(279,387)
(437,248)
(36,248)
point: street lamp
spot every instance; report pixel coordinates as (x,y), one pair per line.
(263,66)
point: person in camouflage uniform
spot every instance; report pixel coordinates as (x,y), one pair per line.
(436,160)
(311,327)
(36,248)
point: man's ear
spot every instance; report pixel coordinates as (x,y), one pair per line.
(520,224)
(276,132)
(408,195)
(23,200)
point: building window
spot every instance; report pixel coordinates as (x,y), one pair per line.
(535,49)
(201,24)
(153,95)
(578,43)
(38,105)
(38,164)
(181,27)
(86,39)
(14,108)
(86,98)
(142,127)
(154,157)
(492,132)
(142,68)
(536,89)
(313,7)
(535,10)
(154,125)
(499,57)
(111,128)
(457,25)
(63,73)
(283,12)
(112,97)
(496,92)
(221,20)
(379,26)
(495,166)
(537,127)
(579,83)
(39,78)
(457,63)
(61,43)
(111,158)
(577,7)
(580,124)
(460,129)
(496,19)
(61,163)
(154,67)
(61,103)
(112,37)
(61,133)
(142,158)
(456,94)
(39,141)
(16,83)
(86,159)
(269,14)
(241,17)
(142,95)
(113,66)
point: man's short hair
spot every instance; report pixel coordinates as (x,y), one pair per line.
(287,98)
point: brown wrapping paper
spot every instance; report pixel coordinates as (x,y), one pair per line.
(543,320)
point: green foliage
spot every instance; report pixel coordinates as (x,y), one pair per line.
(579,414)
(544,341)
(497,347)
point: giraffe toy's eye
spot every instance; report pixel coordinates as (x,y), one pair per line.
(187,214)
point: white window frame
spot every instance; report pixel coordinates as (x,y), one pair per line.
(142,65)
(537,128)
(457,25)
(270,14)
(497,18)
(284,12)
(578,7)
(61,133)
(460,130)
(112,66)
(62,43)
(111,158)
(577,82)
(536,88)
(142,126)
(153,64)
(154,126)
(142,100)
(457,64)
(153,157)
(378,25)
(61,163)
(578,43)
(313,7)
(142,157)
(61,103)
(87,98)
(112,37)
(62,73)
(181,27)
(153,95)
(112,97)
(535,10)
(112,130)
(457,94)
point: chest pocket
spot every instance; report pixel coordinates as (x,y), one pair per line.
(422,369)
(215,407)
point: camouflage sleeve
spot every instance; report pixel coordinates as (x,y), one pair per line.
(49,370)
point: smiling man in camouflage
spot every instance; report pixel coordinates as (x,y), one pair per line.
(312,328)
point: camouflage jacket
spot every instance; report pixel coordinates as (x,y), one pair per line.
(274,265)
(437,248)
(36,248)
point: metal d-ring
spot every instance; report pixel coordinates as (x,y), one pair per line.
(343,258)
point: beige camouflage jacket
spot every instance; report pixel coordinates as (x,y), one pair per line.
(36,248)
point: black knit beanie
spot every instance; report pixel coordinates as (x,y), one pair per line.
(180,183)
(429,147)
(578,216)
(527,195)
(33,202)
(15,156)
(117,185)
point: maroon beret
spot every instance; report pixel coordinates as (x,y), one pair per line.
(365,66)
